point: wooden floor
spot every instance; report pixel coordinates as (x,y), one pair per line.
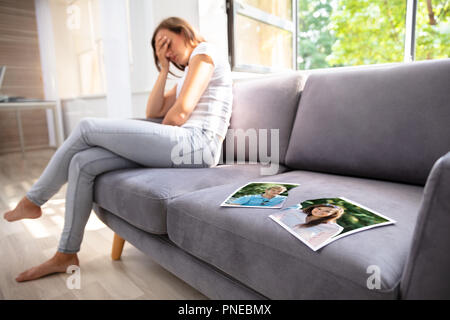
(26,243)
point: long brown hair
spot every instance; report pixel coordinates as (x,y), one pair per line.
(339,211)
(178,26)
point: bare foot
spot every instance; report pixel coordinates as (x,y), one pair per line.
(25,209)
(59,263)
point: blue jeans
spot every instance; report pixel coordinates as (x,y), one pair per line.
(99,145)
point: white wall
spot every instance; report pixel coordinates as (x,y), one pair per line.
(141,29)
(65,59)
(213,23)
(73,110)
(48,64)
(114,31)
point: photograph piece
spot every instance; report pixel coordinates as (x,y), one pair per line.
(319,222)
(260,195)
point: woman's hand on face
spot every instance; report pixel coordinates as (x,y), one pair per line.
(162,43)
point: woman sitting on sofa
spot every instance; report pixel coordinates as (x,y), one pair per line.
(196,114)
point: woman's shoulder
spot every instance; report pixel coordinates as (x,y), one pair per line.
(205,45)
(208,49)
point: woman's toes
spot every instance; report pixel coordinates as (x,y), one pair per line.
(58,264)
(28,275)
(7,216)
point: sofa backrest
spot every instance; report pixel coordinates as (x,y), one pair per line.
(390,123)
(259,106)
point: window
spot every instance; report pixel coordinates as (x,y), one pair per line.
(263,34)
(334,33)
(433,29)
(88,46)
(78,47)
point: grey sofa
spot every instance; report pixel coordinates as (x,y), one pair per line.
(379,136)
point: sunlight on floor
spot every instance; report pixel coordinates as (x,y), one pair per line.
(49,211)
(58,220)
(12,204)
(94,223)
(36,228)
(56,201)
(26,185)
(39,230)
(9,190)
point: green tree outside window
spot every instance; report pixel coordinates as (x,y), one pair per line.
(334,33)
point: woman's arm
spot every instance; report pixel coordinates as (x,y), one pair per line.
(158,102)
(201,68)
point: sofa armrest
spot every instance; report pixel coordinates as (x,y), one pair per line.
(426,274)
(157,120)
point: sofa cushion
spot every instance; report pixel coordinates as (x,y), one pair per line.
(246,244)
(265,103)
(140,196)
(389,123)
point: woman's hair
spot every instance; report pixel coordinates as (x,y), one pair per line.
(178,26)
(337,213)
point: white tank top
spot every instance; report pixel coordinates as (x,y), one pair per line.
(213,110)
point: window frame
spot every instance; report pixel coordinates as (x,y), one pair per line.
(410,31)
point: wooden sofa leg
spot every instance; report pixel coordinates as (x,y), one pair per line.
(117,247)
